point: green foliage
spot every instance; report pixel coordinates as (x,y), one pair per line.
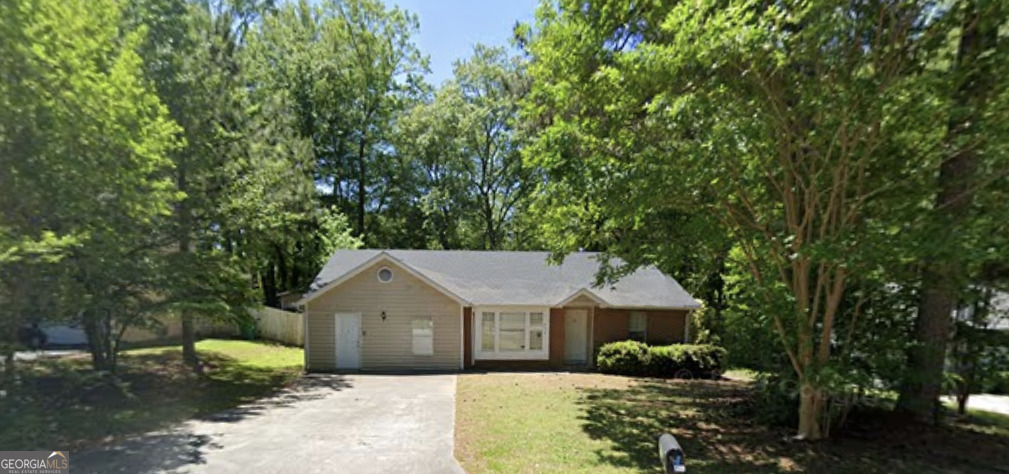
(465,144)
(346,70)
(979,352)
(703,326)
(623,357)
(697,360)
(997,384)
(804,136)
(676,360)
(84,145)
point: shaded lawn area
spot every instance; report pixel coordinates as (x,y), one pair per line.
(599,423)
(62,404)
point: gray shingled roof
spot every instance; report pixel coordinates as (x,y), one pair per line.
(517,278)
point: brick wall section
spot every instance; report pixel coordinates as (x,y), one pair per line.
(664,327)
(557,337)
(610,325)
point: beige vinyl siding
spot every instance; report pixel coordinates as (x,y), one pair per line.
(386,344)
(320,341)
(582,300)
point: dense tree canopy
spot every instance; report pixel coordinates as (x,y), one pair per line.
(86,174)
(185,154)
(829,176)
(807,133)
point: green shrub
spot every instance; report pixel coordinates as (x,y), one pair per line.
(691,360)
(677,360)
(998,385)
(624,358)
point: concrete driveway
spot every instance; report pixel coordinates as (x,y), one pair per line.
(352,423)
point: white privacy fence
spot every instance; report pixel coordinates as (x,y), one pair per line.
(280,326)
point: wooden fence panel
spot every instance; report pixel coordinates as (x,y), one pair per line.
(280,326)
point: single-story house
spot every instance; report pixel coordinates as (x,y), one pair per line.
(453,310)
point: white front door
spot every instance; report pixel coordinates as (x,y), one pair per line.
(348,340)
(575,335)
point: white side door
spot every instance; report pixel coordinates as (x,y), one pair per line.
(575,335)
(348,340)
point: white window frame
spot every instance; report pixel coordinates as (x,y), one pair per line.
(527,354)
(413,336)
(644,332)
(378,275)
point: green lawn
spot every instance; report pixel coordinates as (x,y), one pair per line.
(598,423)
(987,422)
(62,404)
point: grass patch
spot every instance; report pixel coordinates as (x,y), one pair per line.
(62,404)
(743,375)
(600,423)
(981,421)
(995,423)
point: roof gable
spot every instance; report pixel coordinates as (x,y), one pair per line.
(380,257)
(512,278)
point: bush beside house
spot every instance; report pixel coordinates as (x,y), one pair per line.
(677,360)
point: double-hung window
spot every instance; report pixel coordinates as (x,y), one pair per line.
(512,333)
(637,326)
(423,336)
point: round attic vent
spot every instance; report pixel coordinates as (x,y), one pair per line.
(384,275)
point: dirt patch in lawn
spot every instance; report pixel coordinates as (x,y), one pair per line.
(599,423)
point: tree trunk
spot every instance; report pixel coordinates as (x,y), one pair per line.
(362,187)
(189,340)
(283,276)
(189,356)
(9,369)
(961,402)
(96,341)
(919,395)
(811,405)
(269,285)
(488,215)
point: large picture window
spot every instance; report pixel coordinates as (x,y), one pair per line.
(511,333)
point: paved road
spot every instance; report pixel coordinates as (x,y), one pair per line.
(993,403)
(354,424)
(45,354)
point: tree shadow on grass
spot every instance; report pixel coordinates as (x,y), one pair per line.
(228,392)
(63,403)
(713,423)
(696,412)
